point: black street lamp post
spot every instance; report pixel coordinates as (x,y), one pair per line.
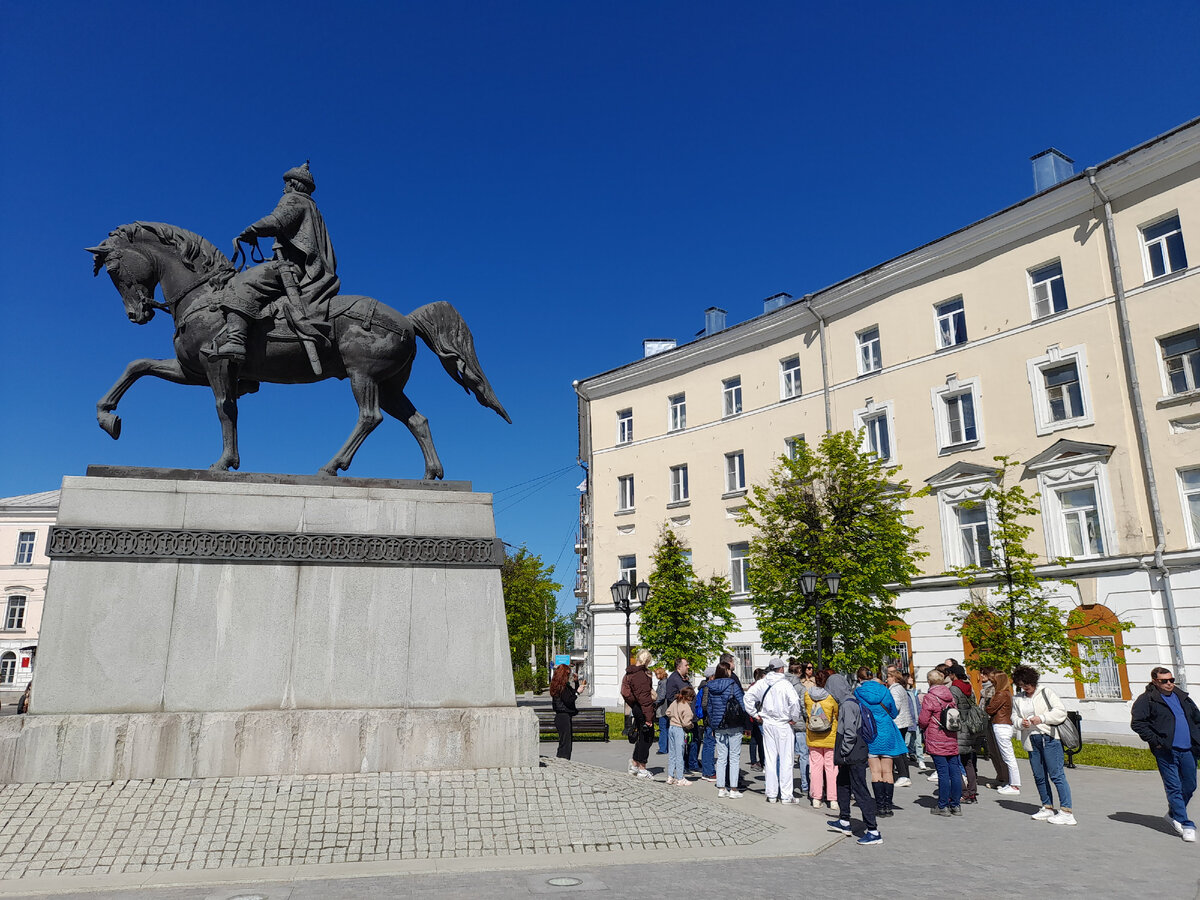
(623,602)
(808,587)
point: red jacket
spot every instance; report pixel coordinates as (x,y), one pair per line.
(638,680)
(937,741)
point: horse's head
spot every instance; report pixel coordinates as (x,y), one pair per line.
(132,272)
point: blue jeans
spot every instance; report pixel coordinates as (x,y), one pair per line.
(675,744)
(664,728)
(708,762)
(1178,771)
(693,752)
(729,757)
(950,773)
(802,759)
(1046,760)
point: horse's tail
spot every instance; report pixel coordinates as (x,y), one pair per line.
(443,329)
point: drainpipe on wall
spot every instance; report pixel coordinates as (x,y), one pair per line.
(585,460)
(1139,419)
(824,363)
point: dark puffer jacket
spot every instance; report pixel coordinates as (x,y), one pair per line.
(722,692)
(1154,722)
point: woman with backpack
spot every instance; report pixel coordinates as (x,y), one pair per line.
(972,725)
(729,720)
(887,744)
(939,723)
(1037,712)
(822,711)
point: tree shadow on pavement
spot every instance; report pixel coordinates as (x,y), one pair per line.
(1017,806)
(1154,823)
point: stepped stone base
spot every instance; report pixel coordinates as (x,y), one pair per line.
(118,746)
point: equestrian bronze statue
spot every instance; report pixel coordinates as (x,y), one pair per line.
(282,322)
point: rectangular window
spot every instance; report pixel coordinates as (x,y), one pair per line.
(1048,289)
(743,659)
(731,394)
(1189,484)
(677,412)
(625,492)
(8,668)
(1181,358)
(1163,243)
(960,418)
(974,535)
(738,568)
(1081,521)
(951,323)
(15,618)
(1100,667)
(869,356)
(735,471)
(25,541)
(679,484)
(789,377)
(877,438)
(627,568)
(687,559)
(625,426)
(1063,394)
(792,445)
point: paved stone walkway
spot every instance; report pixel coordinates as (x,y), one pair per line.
(140,826)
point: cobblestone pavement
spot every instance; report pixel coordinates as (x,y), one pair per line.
(138,826)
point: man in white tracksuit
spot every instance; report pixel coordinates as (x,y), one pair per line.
(780,706)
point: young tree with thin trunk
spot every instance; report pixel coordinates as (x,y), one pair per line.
(531,609)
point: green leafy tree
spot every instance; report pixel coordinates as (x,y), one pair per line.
(683,615)
(831,508)
(1010,618)
(531,609)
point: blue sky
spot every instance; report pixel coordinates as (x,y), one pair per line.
(573,177)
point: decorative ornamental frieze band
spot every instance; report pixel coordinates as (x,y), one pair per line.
(68,542)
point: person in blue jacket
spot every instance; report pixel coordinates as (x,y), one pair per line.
(874,696)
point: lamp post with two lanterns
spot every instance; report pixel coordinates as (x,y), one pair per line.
(808,587)
(623,602)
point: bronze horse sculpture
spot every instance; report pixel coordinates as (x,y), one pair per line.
(370,343)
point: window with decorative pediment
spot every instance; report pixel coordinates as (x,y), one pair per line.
(1077,506)
(967,520)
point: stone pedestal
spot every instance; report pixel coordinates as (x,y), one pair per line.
(199,625)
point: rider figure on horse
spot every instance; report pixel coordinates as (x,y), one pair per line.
(302,273)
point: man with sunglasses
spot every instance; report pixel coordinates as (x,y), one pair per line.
(1167,719)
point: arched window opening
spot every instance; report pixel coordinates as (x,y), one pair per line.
(8,668)
(1101,654)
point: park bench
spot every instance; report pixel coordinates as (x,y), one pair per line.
(590,724)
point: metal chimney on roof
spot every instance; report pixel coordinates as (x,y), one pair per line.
(1050,167)
(714,320)
(654,346)
(775,301)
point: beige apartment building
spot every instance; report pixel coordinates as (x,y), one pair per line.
(1063,331)
(24,566)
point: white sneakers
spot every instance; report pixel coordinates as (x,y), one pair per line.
(816,804)
(1178,826)
(643,773)
(788,800)
(1044,813)
(1062,818)
(1008,789)
(932,776)
(722,792)
(682,782)
(1189,834)
(903,782)
(734,794)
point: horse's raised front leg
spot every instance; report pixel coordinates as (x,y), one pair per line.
(222,378)
(396,403)
(167,369)
(366,393)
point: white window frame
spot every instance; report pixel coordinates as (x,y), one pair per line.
(1037,384)
(1191,528)
(1052,482)
(941,398)
(869,350)
(1192,376)
(739,568)
(8,668)
(625,426)
(962,483)
(627,570)
(791,446)
(18,604)
(625,494)
(735,472)
(679,483)
(958,328)
(789,377)
(875,411)
(743,657)
(1093,690)
(960,554)
(1049,282)
(26,542)
(731,396)
(677,411)
(1146,244)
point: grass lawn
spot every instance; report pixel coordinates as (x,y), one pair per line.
(1109,756)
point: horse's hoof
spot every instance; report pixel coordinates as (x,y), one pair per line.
(330,470)
(110,423)
(218,467)
(434,474)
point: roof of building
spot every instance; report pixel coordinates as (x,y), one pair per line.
(40,500)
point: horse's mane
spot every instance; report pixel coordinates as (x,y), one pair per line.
(195,252)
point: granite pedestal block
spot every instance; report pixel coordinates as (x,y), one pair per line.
(228,625)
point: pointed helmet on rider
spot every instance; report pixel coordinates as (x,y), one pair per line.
(302,175)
